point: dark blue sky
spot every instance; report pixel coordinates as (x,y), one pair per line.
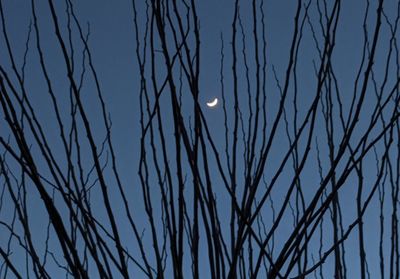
(112,43)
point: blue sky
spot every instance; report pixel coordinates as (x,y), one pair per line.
(112,43)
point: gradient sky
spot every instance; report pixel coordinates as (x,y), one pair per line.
(112,42)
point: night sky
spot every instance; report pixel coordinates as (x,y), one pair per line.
(112,43)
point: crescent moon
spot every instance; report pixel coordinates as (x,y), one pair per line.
(212,103)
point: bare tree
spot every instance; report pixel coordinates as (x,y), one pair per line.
(301,179)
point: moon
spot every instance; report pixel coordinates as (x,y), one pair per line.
(212,103)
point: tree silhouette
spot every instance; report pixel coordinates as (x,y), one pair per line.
(295,174)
